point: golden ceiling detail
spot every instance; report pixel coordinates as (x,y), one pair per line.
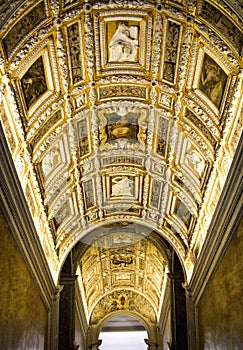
(121,112)
(123,260)
(123,301)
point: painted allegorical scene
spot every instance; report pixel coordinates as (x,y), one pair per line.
(33,82)
(213,80)
(116,126)
(122,126)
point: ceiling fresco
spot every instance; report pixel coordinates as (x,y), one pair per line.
(121,112)
(136,268)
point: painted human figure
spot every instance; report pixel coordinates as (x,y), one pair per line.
(212,80)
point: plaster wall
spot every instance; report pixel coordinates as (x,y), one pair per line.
(79,340)
(167,332)
(220,314)
(23,317)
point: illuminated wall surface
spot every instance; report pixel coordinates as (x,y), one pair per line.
(123,340)
(220,313)
(23,319)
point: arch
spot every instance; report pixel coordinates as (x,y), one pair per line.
(87,234)
(94,331)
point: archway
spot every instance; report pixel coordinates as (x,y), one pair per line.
(113,280)
(123,332)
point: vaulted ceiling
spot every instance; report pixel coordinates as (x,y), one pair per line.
(122,118)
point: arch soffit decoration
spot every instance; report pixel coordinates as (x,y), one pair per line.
(121,113)
(118,270)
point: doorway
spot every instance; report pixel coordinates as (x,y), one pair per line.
(123,332)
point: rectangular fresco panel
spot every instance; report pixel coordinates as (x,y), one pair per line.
(213,80)
(122,126)
(162,132)
(182,212)
(214,16)
(75,53)
(88,194)
(83,136)
(171,51)
(24,27)
(156,191)
(34,82)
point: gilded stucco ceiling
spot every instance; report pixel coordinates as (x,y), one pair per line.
(120,268)
(122,111)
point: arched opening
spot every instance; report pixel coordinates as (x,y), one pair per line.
(123,332)
(134,271)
